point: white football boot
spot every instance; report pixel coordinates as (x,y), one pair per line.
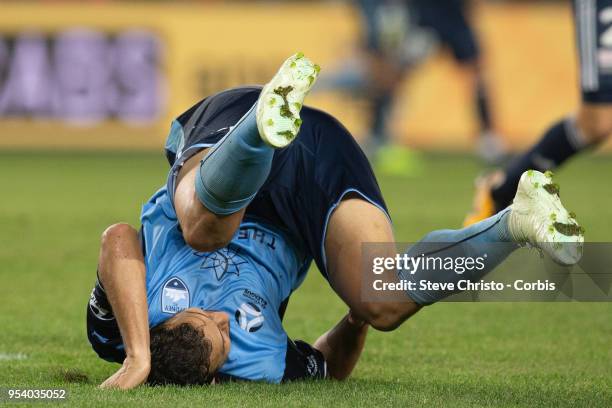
(538,218)
(280,101)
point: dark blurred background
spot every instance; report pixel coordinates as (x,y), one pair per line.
(111,74)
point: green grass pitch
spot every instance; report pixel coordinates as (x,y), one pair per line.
(54,207)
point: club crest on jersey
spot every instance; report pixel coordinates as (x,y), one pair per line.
(249,317)
(223,262)
(175,296)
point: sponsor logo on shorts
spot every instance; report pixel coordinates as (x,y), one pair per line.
(95,307)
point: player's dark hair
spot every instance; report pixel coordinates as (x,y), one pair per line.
(179,355)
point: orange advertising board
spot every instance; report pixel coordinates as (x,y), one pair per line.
(201,48)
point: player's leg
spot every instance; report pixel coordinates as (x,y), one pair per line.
(385,77)
(572,134)
(491,147)
(355,222)
(564,139)
(211,194)
(384,70)
(455,29)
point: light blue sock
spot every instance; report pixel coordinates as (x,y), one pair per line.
(235,169)
(490,237)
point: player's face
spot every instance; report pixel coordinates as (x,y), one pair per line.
(214,326)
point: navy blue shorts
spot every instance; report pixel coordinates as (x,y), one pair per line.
(448,20)
(593,20)
(308,178)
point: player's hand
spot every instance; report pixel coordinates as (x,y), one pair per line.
(132,373)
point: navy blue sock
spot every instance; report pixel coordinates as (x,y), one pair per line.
(559,143)
(381,105)
(482,107)
(236,167)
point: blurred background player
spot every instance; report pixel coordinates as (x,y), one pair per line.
(398,35)
(449,20)
(388,57)
(575,132)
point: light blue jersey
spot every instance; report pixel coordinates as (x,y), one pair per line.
(249,280)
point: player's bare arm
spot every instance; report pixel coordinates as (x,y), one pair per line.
(122,272)
(342,346)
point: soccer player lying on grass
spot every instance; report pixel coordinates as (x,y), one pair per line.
(242,216)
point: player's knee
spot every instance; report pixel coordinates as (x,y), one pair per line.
(595,125)
(113,234)
(598,132)
(386,316)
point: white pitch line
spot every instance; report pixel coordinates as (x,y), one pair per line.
(12,356)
